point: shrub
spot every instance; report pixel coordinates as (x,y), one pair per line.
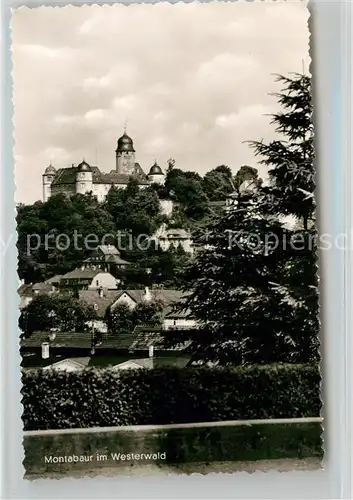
(98,398)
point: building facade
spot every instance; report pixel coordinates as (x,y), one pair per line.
(86,178)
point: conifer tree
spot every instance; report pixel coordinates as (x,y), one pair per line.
(254,286)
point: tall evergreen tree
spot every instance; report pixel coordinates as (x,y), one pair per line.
(254,286)
(290,159)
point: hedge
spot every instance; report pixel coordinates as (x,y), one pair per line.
(179,446)
(102,398)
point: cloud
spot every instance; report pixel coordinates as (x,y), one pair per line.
(246,115)
(193,80)
(43,52)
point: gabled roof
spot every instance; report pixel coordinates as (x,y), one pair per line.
(135,295)
(42,287)
(71,361)
(176,233)
(166,296)
(138,363)
(111,259)
(108,249)
(79,273)
(78,340)
(91,297)
(178,313)
(25,290)
(31,289)
(54,279)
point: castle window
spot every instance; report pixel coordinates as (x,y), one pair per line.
(82,185)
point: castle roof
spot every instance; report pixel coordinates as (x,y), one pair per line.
(50,169)
(84,167)
(155,170)
(68,176)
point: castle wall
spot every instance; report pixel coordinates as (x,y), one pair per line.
(64,188)
(125,162)
(166,207)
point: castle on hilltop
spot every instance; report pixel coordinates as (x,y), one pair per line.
(86,178)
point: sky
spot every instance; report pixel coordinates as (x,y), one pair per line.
(192,81)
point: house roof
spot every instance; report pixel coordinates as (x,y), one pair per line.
(33,362)
(73,362)
(79,273)
(25,290)
(113,259)
(145,336)
(92,297)
(30,289)
(62,339)
(174,234)
(42,287)
(178,313)
(54,279)
(78,340)
(142,363)
(108,249)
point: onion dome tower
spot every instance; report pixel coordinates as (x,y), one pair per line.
(155,175)
(47,179)
(125,155)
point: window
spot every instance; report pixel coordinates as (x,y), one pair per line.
(97,282)
(82,185)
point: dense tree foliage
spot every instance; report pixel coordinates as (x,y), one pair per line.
(122,319)
(217,183)
(62,313)
(134,209)
(290,158)
(254,287)
(52,235)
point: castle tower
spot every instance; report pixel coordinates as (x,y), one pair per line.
(84,178)
(125,155)
(47,179)
(155,175)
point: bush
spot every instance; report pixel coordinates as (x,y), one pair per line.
(98,398)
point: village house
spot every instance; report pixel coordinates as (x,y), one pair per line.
(27,292)
(88,278)
(106,257)
(173,238)
(103,301)
(73,351)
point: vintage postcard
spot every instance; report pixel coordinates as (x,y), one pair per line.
(167,243)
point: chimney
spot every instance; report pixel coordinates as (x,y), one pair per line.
(147,296)
(45,350)
(150,351)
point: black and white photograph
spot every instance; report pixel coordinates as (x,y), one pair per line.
(167,240)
